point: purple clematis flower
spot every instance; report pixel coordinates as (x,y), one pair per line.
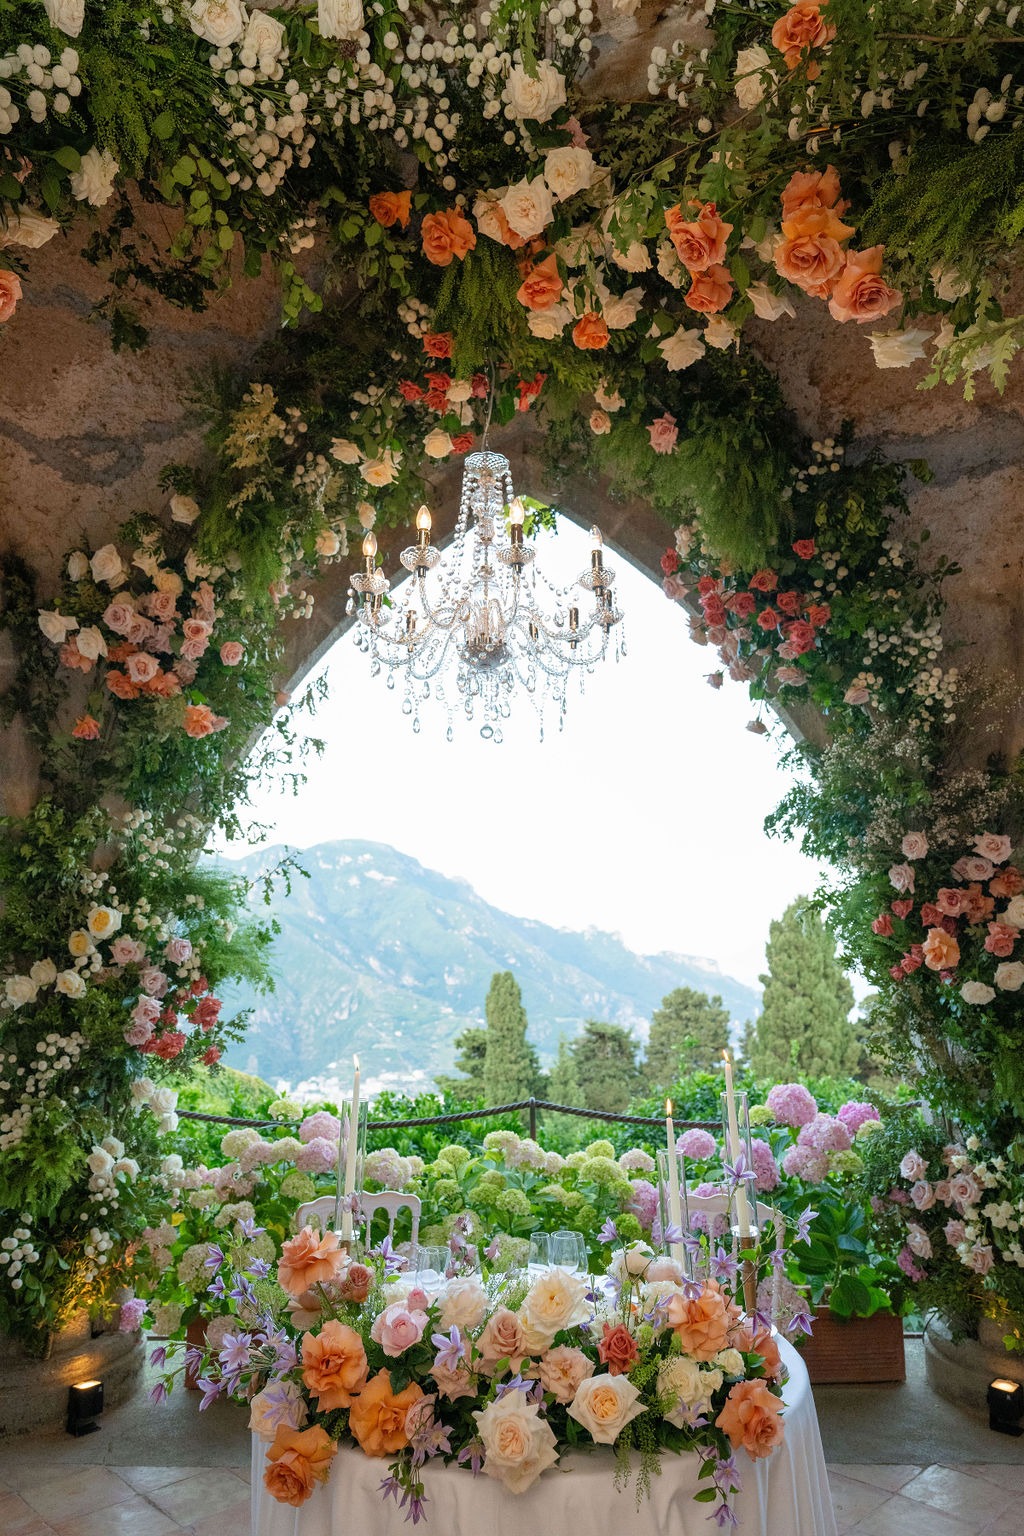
(211,1390)
(158,1393)
(214,1256)
(473,1453)
(803,1225)
(158,1356)
(248,1228)
(234,1352)
(450,1348)
(609,1233)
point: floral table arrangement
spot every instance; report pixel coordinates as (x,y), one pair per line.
(502,1373)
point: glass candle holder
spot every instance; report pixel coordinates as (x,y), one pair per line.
(672,1207)
(738,1145)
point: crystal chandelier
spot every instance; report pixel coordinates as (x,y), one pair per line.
(480,622)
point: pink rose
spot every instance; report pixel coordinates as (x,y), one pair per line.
(955,1232)
(913,1166)
(153,981)
(10,293)
(663,433)
(964,1189)
(675,588)
(562,1369)
(138,1034)
(119,616)
(882,926)
(922,1195)
(231,652)
(126,951)
(980,1257)
(973,868)
(139,631)
(178,951)
(914,845)
(1001,939)
(146,1011)
(397,1329)
(998,849)
(185,671)
(193,650)
(162,606)
(142,668)
(901,877)
(942,1193)
(918,1241)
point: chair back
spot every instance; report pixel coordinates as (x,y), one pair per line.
(391,1201)
(721,1205)
(321,1211)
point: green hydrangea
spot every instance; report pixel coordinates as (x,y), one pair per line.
(434,1236)
(603,1171)
(867,1129)
(298,1186)
(630,1230)
(586,1217)
(575,1160)
(499,1142)
(846,1162)
(600,1149)
(569,1199)
(455,1156)
(447,1192)
(489,1185)
(512,1202)
(760,1114)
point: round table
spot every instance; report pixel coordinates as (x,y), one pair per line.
(785,1495)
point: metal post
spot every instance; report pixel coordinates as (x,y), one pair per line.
(533,1118)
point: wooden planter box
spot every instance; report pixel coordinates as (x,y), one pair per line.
(855,1349)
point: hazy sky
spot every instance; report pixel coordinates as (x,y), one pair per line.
(643,817)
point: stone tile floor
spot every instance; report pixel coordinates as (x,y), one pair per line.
(92,1500)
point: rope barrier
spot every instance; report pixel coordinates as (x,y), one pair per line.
(531,1105)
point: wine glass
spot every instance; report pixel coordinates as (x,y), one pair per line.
(431,1262)
(569,1251)
(540,1250)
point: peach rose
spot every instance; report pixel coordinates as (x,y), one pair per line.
(700,243)
(1008,882)
(299,1458)
(231,652)
(761,1343)
(377,1416)
(562,1369)
(941,950)
(198,722)
(356,1283)
(10,293)
(163,685)
(446,235)
(861,294)
(390,208)
(810,189)
(701,1325)
(800,29)
(502,1339)
(120,685)
(308,1258)
(453,1384)
(710,291)
(617,1349)
(590,333)
(334,1365)
(142,668)
(663,433)
(542,285)
(87,729)
(810,254)
(752,1418)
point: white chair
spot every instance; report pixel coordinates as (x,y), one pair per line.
(391,1201)
(320,1210)
(764,1215)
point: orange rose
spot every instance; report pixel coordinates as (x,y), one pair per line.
(810,189)
(121,686)
(377,1416)
(752,1419)
(861,294)
(334,1365)
(391,208)
(701,1325)
(810,254)
(800,29)
(710,291)
(446,235)
(590,332)
(700,243)
(298,1458)
(761,1343)
(941,950)
(437,344)
(542,285)
(307,1259)
(86,728)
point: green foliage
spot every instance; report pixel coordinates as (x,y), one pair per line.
(688,1032)
(477,303)
(605,1059)
(804,1023)
(511,1069)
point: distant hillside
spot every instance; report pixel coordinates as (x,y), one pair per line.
(381,956)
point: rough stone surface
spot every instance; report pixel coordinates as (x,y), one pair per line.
(34,1393)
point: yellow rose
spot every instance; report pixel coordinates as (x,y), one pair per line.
(79,943)
(102,922)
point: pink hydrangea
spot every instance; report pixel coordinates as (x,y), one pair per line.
(791,1104)
(805,1163)
(322,1125)
(698,1144)
(644,1203)
(766,1168)
(132,1312)
(825,1134)
(905,1260)
(855,1114)
(317,1156)
(714,1226)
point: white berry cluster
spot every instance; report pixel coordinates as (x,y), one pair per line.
(17,1251)
(31,75)
(55,1055)
(14,1123)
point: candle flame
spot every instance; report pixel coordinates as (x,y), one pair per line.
(355,1062)
(668,1106)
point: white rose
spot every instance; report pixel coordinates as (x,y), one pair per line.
(56,626)
(327,543)
(692,1387)
(366,514)
(380,471)
(1009,976)
(107,566)
(91,643)
(568,170)
(70,984)
(437,444)
(265,36)
(80,943)
(281,1404)
(636,259)
(977,992)
(580,245)
(898,349)
(66,15)
(630,1263)
(93,183)
(720,333)
(220,22)
(681,349)
(140,1091)
(463,1305)
(167,1124)
(171,1165)
(619,311)
(29,229)
(604,1405)
(730,1361)
(753,72)
(460,391)
(535,97)
(184,509)
(78,566)
(128,1167)
(518,1443)
(546,324)
(342,19)
(948,285)
(112,1145)
(103,922)
(555,1300)
(345,451)
(19,990)
(163,1100)
(43,973)
(99,1162)
(1014,914)
(486,216)
(769,305)
(528,208)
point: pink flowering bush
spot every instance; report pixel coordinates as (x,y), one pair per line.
(791,1104)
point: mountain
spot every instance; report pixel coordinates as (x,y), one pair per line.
(381,956)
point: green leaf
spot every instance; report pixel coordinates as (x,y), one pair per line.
(162,126)
(69,158)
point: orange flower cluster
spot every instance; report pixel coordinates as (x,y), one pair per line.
(299,1459)
(541,287)
(801,29)
(445,236)
(811,253)
(700,244)
(390,208)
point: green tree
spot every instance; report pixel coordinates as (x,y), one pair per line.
(605,1059)
(511,1068)
(689,1032)
(563,1081)
(805,1021)
(472,1047)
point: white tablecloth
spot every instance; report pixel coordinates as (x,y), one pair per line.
(785,1495)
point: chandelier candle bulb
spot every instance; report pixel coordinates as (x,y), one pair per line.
(735,1144)
(370,551)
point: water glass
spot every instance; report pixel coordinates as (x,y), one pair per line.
(540,1250)
(431,1263)
(569,1251)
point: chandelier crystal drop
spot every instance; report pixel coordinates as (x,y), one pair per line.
(479,623)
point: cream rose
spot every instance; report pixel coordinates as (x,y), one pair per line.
(720,333)
(977,992)
(1009,976)
(220,22)
(538,96)
(555,1300)
(620,310)
(486,216)
(281,1404)
(70,984)
(604,1405)
(184,509)
(56,626)
(327,543)
(459,391)
(518,1443)
(93,183)
(769,305)
(568,170)
(463,1305)
(20,990)
(43,973)
(345,451)
(103,922)
(28,229)
(99,1162)
(66,15)
(528,208)
(608,402)
(168,581)
(437,444)
(265,36)
(753,72)
(1014,913)
(681,349)
(600,423)
(898,349)
(91,643)
(342,19)
(107,566)
(380,471)
(78,565)
(692,1389)
(546,324)
(80,943)
(730,1361)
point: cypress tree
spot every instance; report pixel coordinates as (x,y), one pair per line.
(804,1025)
(472,1047)
(689,1032)
(563,1082)
(511,1067)
(605,1058)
